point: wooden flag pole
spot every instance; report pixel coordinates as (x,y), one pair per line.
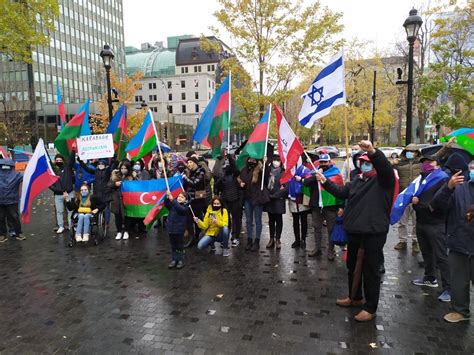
(266,144)
(159,150)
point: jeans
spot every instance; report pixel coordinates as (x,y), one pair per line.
(252,211)
(9,213)
(60,207)
(300,225)
(432,242)
(222,237)
(83,223)
(403,224)
(319,215)
(275,222)
(462,273)
(370,278)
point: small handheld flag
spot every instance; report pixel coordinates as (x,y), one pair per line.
(145,140)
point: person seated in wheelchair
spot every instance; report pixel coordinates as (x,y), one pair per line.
(215,226)
(85,206)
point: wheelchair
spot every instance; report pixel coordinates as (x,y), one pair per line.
(98,229)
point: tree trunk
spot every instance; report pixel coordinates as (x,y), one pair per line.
(262,107)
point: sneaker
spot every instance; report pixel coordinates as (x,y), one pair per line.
(213,248)
(172,264)
(445,296)
(226,252)
(296,244)
(20,237)
(3,239)
(454,317)
(125,235)
(85,238)
(235,243)
(425,282)
(180,265)
(415,248)
(60,230)
(401,246)
(78,238)
(118,236)
(55,229)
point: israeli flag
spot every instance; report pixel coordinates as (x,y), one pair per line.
(326,91)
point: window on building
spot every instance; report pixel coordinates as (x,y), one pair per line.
(213,85)
(183,84)
(213,67)
(183,108)
(154,109)
(184,70)
(196,108)
(209,83)
(208,67)
(197,68)
(138,98)
(169,84)
(170,97)
(170,108)
(152,97)
(196,95)
(183,96)
(151,86)
(196,83)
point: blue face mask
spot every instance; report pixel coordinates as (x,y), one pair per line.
(366,167)
(84,193)
(410,155)
(471,175)
(137,167)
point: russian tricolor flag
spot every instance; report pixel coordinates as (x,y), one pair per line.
(38,177)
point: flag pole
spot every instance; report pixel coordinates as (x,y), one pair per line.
(159,150)
(309,159)
(230,110)
(266,144)
(346,133)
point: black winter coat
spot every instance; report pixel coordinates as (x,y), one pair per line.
(102,190)
(369,200)
(176,221)
(456,202)
(425,214)
(278,195)
(195,181)
(66,176)
(252,179)
(228,187)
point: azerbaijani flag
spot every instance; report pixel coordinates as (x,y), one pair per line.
(325,198)
(215,120)
(144,141)
(38,176)
(160,210)
(76,127)
(464,137)
(118,127)
(140,197)
(61,108)
(255,146)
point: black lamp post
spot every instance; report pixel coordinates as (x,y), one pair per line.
(412,25)
(107,55)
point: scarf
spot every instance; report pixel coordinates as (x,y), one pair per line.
(273,173)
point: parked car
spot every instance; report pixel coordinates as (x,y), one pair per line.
(326,149)
(342,152)
(391,152)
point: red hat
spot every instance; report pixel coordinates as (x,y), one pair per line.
(364,157)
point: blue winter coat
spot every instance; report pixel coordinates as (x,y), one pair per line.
(176,221)
(10,181)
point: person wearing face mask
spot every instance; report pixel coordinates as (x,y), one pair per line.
(408,168)
(10,184)
(180,168)
(64,169)
(250,180)
(229,190)
(456,198)
(324,206)
(276,207)
(85,206)
(139,172)
(297,205)
(122,223)
(430,227)
(369,200)
(215,225)
(158,167)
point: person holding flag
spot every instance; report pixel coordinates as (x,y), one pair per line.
(324,205)
(366,221)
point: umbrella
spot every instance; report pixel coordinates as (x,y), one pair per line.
(464,137)
(455,148)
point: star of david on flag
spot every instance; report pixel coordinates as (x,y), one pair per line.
(326,91)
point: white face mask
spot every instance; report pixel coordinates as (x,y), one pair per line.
(276,164)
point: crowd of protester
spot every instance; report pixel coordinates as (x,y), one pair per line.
(210,210)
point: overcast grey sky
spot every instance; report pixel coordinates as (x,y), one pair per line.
(378,21)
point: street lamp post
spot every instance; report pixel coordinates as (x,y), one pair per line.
(107,55)
(412,25)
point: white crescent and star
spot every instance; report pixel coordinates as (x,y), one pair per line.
(142,196)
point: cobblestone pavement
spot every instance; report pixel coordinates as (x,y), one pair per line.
(119,297)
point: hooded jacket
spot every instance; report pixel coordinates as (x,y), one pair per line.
(369,200)
(456,162)
(10,181)
(455,202)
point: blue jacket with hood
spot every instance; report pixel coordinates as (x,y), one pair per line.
(10,181)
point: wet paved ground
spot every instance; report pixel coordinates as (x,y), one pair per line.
(119,297)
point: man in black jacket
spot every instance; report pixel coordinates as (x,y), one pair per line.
(457,199)
(430,227)
(366,219)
